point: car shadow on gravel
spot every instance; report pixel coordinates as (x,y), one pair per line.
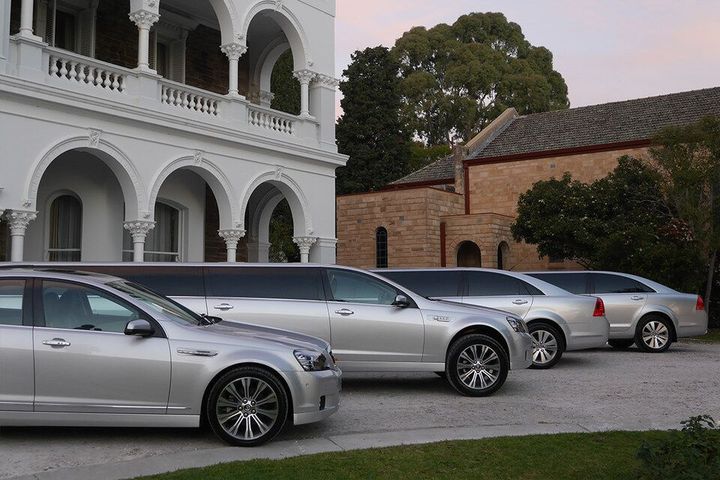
(50,435)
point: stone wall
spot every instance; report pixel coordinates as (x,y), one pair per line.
(496,187)
(412,218)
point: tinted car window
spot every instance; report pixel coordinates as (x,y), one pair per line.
(428,284)
(488,284)
(78,307)
(11,302)
(267,282)
(354,287)
(607,283)
(168,281)
(531,289)
(572,282)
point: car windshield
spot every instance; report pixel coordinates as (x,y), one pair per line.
(160,304)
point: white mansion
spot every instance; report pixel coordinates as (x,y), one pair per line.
(142,129)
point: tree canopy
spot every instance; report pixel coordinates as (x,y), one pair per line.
(370,130)
(458,78)
(285,86)
(621,222)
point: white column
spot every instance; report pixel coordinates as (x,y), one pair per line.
(304,244)
(139,230)
(231,237)
(26,20)
(18,222)
(258,252)
(304,77)
(233,51)
(266,98)
(144,19)
(325,251)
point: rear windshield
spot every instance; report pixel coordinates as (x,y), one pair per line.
(572,282)
(428,284)
(608,283)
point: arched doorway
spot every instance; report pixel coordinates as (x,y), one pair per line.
(468,255)
(503,253)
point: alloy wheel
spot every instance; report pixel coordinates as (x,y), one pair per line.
(545,347)
(247,408)
(478,366)
(655,335)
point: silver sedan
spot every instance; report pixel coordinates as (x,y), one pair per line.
(557,320)
(640,311)
(93,350)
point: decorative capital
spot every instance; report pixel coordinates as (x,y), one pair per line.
(231,237)
(139,229)
(305,76)
(144,19)
(234,50)
(304,243)
(327,81)
(19,221)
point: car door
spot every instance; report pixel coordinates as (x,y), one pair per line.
(290,298)
(83,360)
(623,298)
(366,328)
(497,290)
(17,386)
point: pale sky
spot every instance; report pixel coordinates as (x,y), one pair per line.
(606,50)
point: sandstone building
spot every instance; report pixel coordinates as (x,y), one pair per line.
(458,210)
(143,129)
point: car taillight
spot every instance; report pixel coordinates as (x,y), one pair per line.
(599,308)
(700,305)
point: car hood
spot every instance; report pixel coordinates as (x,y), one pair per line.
(276,336)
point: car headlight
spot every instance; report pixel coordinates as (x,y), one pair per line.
(517,324)
(311,361)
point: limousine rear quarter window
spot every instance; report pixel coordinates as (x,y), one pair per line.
(264,282)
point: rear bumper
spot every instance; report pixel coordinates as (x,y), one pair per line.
(590,334)
(316,395)
(693,325)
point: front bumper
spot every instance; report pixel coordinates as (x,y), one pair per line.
(521,350)
(316,395)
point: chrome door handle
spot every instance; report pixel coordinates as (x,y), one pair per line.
(345,312)
(520,302)
(637,298)
(56,342)
(224,307)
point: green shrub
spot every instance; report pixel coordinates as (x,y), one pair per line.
(690,454)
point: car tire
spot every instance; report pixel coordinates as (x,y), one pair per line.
(621,343)
(247,406)
(653,334)
(477,365)
(548,345)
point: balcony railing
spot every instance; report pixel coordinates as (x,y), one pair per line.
(92,80)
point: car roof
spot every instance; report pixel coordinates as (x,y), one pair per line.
(34,272)
(658,287)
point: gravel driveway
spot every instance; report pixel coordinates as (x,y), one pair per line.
(595,390)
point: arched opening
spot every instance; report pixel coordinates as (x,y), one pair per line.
(79,199)
(381,248)
(468,255)
(503,253)
(275,51)
(65,229)
(190,206)
(274,217)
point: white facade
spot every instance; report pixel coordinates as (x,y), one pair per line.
(115,142)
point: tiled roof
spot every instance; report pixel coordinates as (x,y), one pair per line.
(609,123)
(442,169)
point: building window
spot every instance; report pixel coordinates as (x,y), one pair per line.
(162,243)
(502,255)
(381,247)
(65,229)
(4,241)
(64,31)
(468,255)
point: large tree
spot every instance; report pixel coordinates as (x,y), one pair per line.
(621,222)
(458,78)
(370,130)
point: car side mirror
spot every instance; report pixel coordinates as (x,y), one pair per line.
(139,328)
(401,301)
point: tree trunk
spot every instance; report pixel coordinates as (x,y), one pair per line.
(710,280)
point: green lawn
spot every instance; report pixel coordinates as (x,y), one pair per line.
(589,456)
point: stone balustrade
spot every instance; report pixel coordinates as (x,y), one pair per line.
(85,71)
(271,120)
(182,96)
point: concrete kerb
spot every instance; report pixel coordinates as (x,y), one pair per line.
(339,443)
